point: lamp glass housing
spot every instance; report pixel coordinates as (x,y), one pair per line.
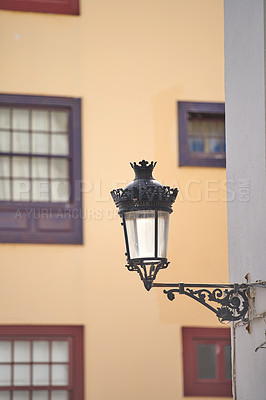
(146,234)
(163,229)
(144,206)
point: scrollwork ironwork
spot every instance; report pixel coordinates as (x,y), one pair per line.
(144,192)
(134,197)
(147,271)
(234,301)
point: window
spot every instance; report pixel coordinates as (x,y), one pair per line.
(201,129)
(43,6)
(41,362)
(207,362)
(40,169)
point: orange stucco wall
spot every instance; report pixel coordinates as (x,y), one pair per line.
(130,62)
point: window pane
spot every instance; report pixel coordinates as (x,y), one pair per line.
(41,374)
(59,144)
(39,395)
(21,395)
(196,145)
(41,351)
(59,375)
(60,351)
(4,117)
(4,166)
(228,367)
(21,190)
(212,146)
(39,167)
(194,127)
(212,127)
(216,128)
(206,125)
(59,168)
(40,190)
(22,351)
(21,119)
(59,121)
(5,375)
(21,375)
(40,143)
(21,142)
(21,167)
(206,361)
(40,120)
(5,351)
(59,395)
(60,191)
(4,395)
(4,189)
(4,141)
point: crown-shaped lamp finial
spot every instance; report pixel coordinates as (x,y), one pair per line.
(143,169)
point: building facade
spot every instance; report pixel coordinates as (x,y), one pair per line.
(86,88)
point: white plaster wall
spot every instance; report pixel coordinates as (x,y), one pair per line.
(246,176)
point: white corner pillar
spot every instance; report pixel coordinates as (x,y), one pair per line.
(246,177)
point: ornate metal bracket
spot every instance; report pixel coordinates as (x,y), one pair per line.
(232,297)
(147,271)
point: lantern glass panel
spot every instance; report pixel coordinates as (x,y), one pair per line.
(163,228)
(140,226)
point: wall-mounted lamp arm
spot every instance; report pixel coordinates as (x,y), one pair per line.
(144,206)
(233,298)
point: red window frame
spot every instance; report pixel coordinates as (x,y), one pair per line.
(193,386)
(43,6)
(74,334)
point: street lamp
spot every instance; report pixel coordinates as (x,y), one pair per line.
(144,206)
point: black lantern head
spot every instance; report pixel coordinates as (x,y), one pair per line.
(144,206)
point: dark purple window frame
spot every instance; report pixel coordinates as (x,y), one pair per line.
(186,157)
(193,385)
(47,222)
(73,333)
(43,6)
